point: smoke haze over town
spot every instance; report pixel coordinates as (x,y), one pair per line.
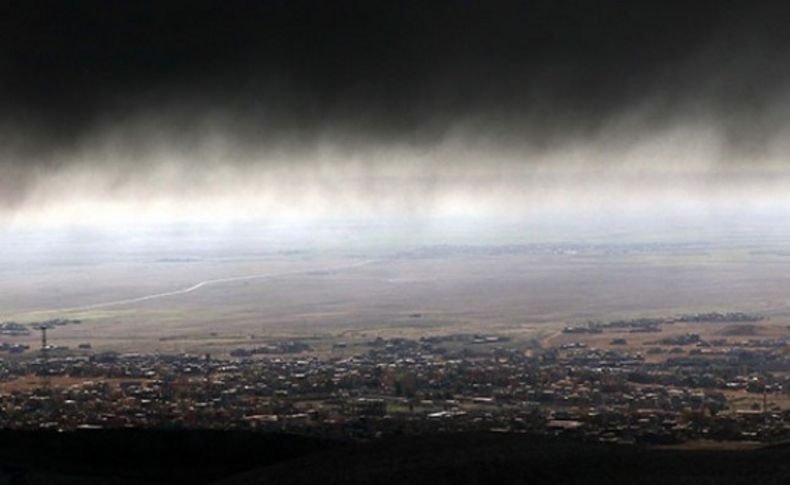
(378,241)
(296,113)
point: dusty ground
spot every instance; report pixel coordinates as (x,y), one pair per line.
(323,295)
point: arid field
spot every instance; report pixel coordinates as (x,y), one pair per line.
(199,299)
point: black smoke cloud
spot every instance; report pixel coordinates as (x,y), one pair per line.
(535,74)
(384,69)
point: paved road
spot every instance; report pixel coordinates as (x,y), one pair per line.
(199,285)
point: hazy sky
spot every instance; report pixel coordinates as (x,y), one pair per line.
(151,111)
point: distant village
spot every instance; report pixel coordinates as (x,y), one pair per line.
(437,383)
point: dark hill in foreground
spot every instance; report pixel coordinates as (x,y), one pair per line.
(235,458)
(518,459)
(143,456)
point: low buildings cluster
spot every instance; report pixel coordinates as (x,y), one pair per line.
(732,391)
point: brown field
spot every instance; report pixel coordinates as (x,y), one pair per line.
(333,295)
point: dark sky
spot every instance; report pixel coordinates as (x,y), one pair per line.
(138,101)
(386,70)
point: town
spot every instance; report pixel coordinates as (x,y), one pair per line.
(670,390)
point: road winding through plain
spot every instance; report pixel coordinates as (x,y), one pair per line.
(201,284)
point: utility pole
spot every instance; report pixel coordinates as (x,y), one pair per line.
(207,375)
(43,327)
(765,404)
